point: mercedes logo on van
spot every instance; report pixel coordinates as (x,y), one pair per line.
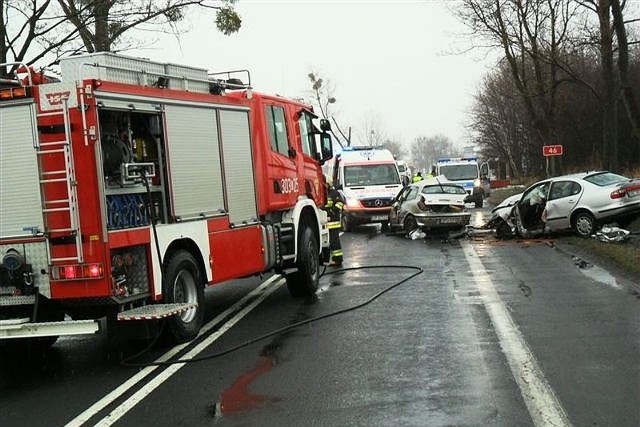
(378,203)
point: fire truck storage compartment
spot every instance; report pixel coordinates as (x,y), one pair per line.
(20,199)
(131,150)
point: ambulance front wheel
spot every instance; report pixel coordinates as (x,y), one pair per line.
(183,283)
(304,282)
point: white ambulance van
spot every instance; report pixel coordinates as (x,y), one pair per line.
(369,180)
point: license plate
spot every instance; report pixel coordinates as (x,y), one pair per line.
(379,218)
(449,220)
(634,193)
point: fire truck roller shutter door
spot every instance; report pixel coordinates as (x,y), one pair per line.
(238,167)
(20,205)
(194,151)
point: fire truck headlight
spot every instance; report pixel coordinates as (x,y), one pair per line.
(12,260)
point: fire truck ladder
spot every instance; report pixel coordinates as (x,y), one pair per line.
(62,206)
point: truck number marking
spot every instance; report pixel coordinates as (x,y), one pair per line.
(289,185)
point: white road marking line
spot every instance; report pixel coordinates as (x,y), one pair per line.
(263,289)
(543,405)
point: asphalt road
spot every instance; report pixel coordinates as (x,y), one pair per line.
(500,333)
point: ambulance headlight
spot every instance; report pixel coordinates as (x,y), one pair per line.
(353,203)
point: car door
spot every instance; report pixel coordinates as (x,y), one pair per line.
(399,207)
(530,208)
(563,197)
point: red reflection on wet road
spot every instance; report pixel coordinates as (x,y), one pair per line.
(237,397)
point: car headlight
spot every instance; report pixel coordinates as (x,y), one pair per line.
(477,183)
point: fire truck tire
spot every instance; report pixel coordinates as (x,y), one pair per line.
(183,282)
(304,282)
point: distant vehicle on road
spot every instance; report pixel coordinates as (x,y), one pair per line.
(405,172)
(430,204)
(578,202)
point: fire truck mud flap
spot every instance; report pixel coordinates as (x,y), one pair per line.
(304,282)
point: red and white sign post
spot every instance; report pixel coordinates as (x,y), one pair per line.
(551,151)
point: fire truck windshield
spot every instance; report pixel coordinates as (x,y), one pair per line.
(380,174)
(459,172)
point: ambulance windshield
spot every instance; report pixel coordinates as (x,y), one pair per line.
(362,175)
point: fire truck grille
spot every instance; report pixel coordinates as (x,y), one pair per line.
(382,202)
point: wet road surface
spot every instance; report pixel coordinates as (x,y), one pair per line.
(501,333)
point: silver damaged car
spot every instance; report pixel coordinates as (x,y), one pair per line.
(431,204)
(580,202)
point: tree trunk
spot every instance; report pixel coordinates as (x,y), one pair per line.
(609,150)
(626,86)
(102,37)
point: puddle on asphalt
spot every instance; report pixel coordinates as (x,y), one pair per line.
(599,275)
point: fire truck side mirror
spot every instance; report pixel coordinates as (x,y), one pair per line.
(326,146)
(325,125)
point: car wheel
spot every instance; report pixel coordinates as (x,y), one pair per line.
(410,224)
(584,224)
(183,283)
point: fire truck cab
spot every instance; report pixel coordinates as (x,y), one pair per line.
(130,185)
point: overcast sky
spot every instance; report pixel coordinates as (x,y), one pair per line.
(389,61)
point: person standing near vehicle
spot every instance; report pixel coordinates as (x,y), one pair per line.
(432,174)
(417,178)
(334,206)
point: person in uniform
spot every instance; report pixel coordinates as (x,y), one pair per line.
(334,206)
(417,178)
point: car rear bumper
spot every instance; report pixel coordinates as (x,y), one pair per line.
(443,221)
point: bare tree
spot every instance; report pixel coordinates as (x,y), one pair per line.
(103,23)
(626,85)
(531,36)
(323,94)
(425,151)
(30,30)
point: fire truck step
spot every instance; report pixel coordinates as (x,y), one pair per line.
(48,181)
(58,150)
(56,210)
(62,230)
(69,258)
(18,328)
(54,202)
(17,300)
(155,311)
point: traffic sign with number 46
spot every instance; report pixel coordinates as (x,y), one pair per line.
(552,150)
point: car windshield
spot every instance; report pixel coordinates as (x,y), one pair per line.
(443,189)
(457,172)
(385,174)
(603,179)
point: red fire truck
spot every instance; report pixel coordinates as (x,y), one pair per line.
(128,185)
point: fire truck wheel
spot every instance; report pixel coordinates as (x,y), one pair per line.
(182,282)
(304,282)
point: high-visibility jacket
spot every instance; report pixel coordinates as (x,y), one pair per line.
(417,178)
